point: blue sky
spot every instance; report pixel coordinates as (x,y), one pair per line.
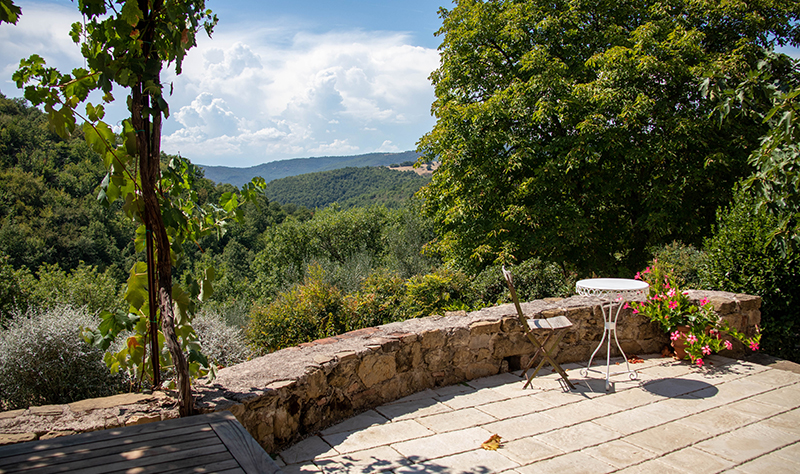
(289,79)
(278,80)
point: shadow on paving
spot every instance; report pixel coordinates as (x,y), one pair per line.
(680,388)
(380,465)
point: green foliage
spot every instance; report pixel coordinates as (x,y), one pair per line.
(13,290)
(771,94)
(576,132)
(349,187)
(406,238)
(307,312)
(379,300)
(666,303)
(48,210)
(699,328)
(9,12)
(741,258)
(533,279)
(128,46)
(347,243)
(84,287)
(683,262)
(44,361)
(443,290)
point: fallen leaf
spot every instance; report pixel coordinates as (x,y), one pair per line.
(635,360)
(492,443)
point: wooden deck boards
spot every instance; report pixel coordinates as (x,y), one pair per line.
(212,443)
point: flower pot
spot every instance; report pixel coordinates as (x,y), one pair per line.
(680,344)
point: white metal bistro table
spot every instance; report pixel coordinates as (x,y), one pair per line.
(613,291)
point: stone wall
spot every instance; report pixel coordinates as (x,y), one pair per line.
(289,394)
(286,395)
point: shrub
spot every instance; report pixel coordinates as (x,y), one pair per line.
(83,287)
(443,290)
(308,311)
(225,345)
(379,300)
(741,257)
(533,279)
(44,360)
(14,289)
(683,261)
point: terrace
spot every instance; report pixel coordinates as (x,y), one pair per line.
(733,416)
(422,395)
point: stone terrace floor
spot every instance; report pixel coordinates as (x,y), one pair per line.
(730,416)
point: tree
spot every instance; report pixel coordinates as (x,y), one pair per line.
(576,131)
(127,43)
(770,94)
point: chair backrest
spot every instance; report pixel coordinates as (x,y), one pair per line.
(510,282)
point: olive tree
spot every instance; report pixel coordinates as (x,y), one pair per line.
(576,130)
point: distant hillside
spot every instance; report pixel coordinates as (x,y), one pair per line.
(350,187)
(297,166)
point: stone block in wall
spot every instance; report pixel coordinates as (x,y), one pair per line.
(376,367)
(478,328)
(458,337)
(433,339)
(408,357)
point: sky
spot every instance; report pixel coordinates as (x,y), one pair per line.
(277,80)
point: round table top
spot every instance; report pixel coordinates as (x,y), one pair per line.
(618,287)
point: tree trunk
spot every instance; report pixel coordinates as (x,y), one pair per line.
(148,140)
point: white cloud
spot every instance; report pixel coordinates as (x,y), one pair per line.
(43,30)
(259,93)
(388,147)
(337,147)
(253,98)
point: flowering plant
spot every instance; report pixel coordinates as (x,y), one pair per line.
(698,327)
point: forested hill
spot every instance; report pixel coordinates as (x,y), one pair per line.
(349,187)
(297,166)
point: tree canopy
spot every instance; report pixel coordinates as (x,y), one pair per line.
(576,131)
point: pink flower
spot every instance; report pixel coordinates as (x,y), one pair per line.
(753,346)
(626,305)
(699,362)
(691,338)
(728,345)
(671,292)
(675,335)
(638,276)
(646,270)
(635,311)
(704,302)
(673,304)
(706,350)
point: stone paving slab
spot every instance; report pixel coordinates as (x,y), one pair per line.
(730,416)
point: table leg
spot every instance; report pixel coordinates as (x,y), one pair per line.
(610,326)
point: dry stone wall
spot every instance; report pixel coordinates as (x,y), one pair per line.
(289,394)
